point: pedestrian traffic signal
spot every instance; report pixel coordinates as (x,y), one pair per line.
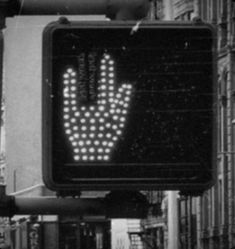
(128,105)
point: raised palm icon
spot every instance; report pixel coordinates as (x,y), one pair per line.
(94,129)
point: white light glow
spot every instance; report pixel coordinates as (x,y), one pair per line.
(84,135)
(94,130)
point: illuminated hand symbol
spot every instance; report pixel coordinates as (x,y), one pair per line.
(93,130)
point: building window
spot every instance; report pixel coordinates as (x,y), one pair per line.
(222,114)
(222,24)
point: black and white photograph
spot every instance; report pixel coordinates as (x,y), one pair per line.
(117,124)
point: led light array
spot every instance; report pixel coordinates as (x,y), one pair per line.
(94,130)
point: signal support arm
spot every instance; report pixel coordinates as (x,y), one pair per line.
(114,9)
(133,205)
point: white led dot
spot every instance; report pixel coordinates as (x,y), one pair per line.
(84,128)
(126,105)
(85,157)
(106,158)
(119,132)
(101,108)
(110,144)
(103,102)
(83,150)
(108,135)
(84,135)
(91,150)
(68,131)
(104,143)
(88,142)
(93,128)
(76,150)
(115,138)
(87,114)
(100,150)
(107,150)
(77,158)
(97,142)
(100,135)
(101,128)
(74,143)
(66,95)
(80,143)
(91,135)
(101,120)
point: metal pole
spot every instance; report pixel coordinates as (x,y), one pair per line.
(114,9)
(60,206)
(57,7)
